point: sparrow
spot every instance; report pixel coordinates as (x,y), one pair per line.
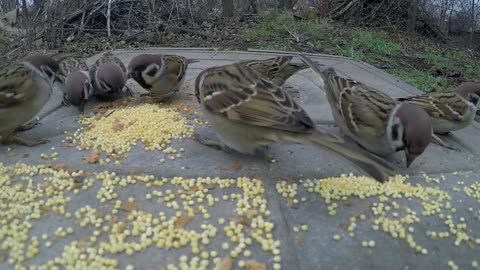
(160,74)
(277,69)
(449,111)
(78,89)
(46,64)
(249,112)
(374,120)
(25,88)
(69,65)
(109,77)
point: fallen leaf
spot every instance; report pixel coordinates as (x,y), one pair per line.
(113,220)
(44,210)
(243,220)
(83,146)
(60,167)
(77,185)
(348,203)
(117,126)
(254,265)
(344,226)
(45,184)
(121,227)
(290,202)
(189,191)
(183,221)
(225,263)
(188,109)
(301,241)
(236,165)
(128,206)
(93,158)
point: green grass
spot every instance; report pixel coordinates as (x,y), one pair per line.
(282,27)
(427,69)
(3,39)
(423,80)
(445,61)
(367,46)
(364,45)
(473,70)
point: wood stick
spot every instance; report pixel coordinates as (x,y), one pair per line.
(109,11)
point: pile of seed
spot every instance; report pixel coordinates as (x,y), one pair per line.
(392,212)
(122,128)
(134,214)
(92,234)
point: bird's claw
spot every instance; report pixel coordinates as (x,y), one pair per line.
(28,126)
(128,91)
(436,140)
(217,145)
(22,141)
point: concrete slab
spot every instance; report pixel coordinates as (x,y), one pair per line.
(314,248)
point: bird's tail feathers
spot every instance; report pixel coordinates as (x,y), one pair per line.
(374,166)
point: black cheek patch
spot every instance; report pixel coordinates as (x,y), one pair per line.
(395,132)
(152,72)
(137,76)
(474,99)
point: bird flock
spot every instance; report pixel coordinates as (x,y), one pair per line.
(248,105)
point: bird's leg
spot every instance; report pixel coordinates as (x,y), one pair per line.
(263,152)
(436,140)
(36,122)
(52,110)
(292,91)
(325,122)
(128,91)
(22,141)
(218,145)
(27,126)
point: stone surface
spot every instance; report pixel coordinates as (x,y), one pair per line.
(314,249)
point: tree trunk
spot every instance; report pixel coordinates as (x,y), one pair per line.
(25,8)
(228,8)
(285,4)
(7,6)
(253,4)
(472,25)
(443,15)
(412,14)
(324,8)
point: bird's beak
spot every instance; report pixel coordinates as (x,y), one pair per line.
(81,107)
(58,79)
(409,158)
